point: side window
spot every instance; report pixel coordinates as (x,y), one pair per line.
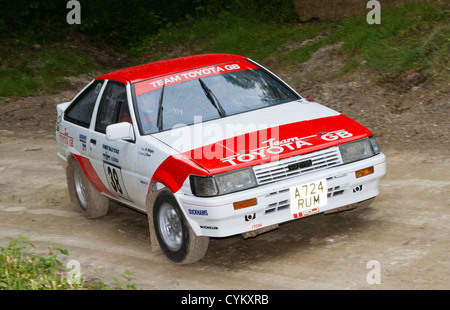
(80,111)
(113,107)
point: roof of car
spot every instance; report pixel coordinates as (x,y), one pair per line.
(151,70)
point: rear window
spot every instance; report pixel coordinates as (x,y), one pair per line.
(80,111)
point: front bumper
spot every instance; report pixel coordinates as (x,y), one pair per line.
(216,216)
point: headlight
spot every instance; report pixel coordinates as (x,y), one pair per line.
(224,183)
(203,186)
(376,148)
(360,149)
(235,181)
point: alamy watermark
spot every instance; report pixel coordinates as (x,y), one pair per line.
(74,273)
(252,140)
(374,274)
(374,16)
(74,15)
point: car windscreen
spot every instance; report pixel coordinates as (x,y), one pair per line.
(206,94)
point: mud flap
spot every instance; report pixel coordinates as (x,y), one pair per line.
(360,205)
(254,233)
(72,196)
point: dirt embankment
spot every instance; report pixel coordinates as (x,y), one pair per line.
(408,112)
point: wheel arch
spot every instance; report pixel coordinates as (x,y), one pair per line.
(96,205)
(157,188)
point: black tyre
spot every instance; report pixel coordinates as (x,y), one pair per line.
(84,194)
(175,236)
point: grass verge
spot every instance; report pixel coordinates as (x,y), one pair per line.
(413,37)
(25,72)
(21,269)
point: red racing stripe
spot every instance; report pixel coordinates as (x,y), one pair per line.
(277,143)
(254,149)
(174,170)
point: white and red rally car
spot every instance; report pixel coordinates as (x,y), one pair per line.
(211,146)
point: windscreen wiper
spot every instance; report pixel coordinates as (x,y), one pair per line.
(212,98)
(160,109)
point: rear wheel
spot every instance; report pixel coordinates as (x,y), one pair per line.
(175,236)
(84,194)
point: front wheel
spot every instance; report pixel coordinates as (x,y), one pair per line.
(175,236)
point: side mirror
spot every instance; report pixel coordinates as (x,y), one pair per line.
(120,131)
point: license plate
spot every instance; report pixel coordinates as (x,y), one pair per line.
(308,196)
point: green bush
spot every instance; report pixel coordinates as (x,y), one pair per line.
(21,269)
(413,37)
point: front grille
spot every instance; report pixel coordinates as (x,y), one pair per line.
(277,204)
(279,170)
(337,190)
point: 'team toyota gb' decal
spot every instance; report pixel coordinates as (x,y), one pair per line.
(274,147)
(156,83)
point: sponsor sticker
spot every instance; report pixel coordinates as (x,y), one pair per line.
(198,212)
(171,79)
(65,139)
(273,147)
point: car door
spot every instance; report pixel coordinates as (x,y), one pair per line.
(115,160)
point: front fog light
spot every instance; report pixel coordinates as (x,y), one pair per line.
(363,172)
(245,204)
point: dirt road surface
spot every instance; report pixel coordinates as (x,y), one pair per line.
(406,230)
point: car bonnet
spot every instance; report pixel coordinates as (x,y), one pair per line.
(263,135)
